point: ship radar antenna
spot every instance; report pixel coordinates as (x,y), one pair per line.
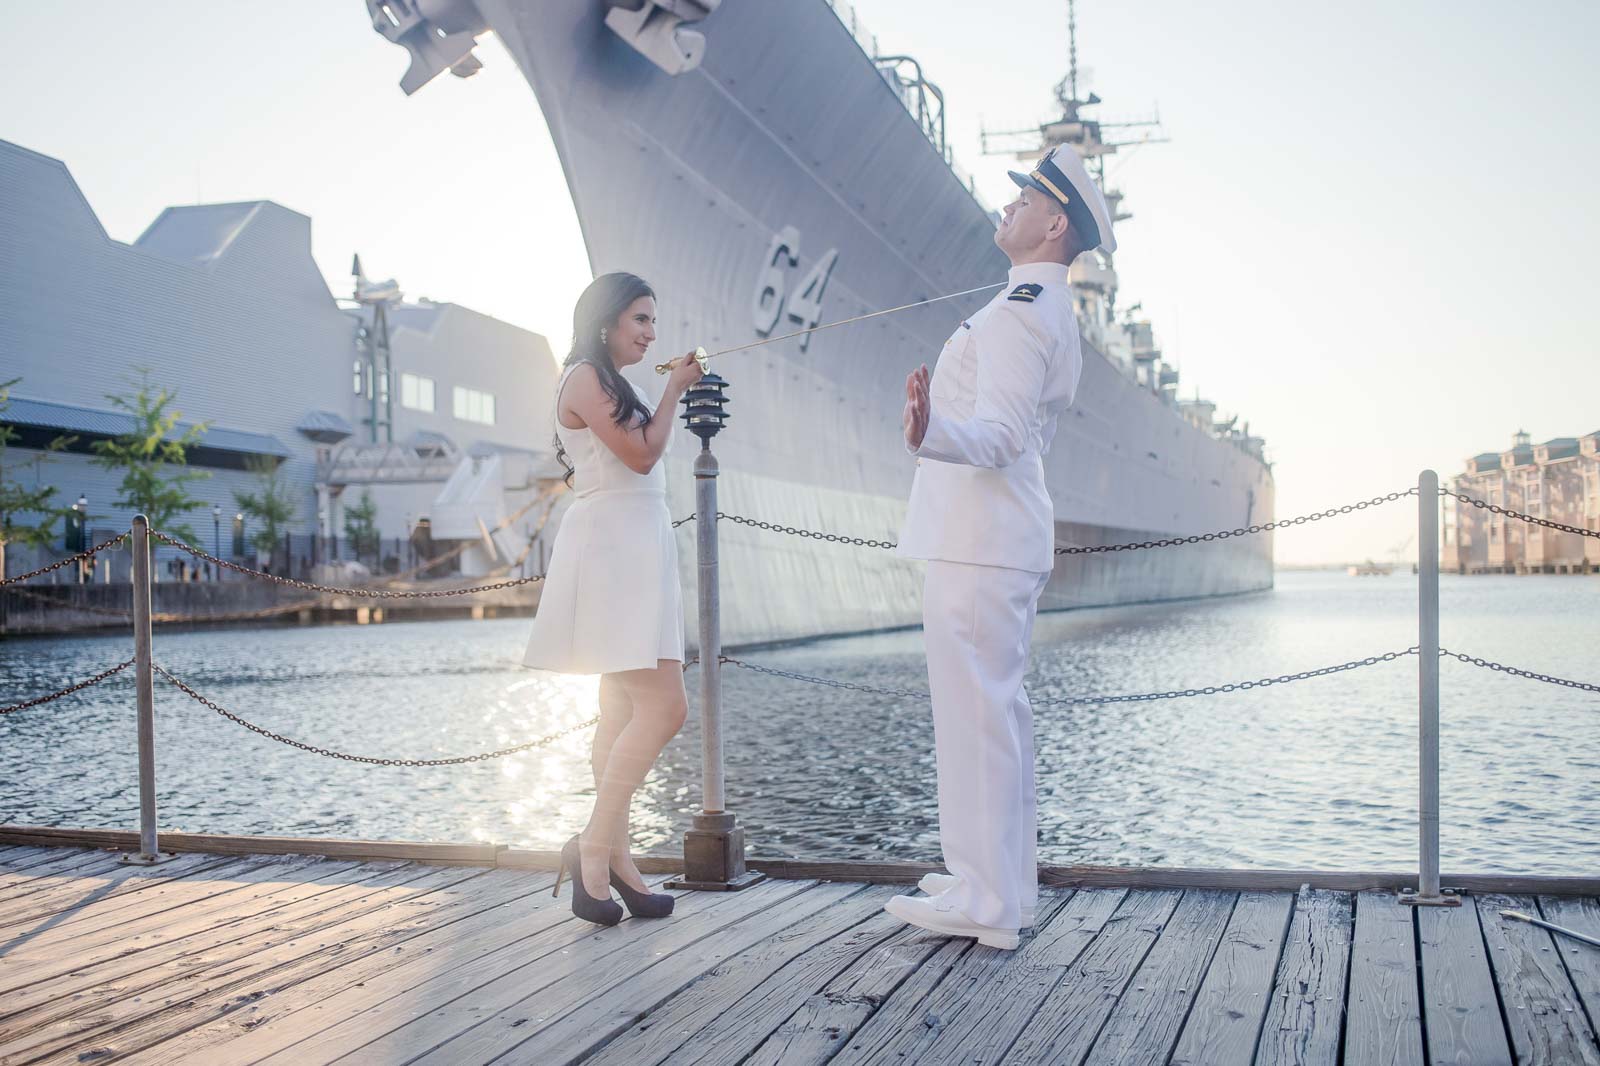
(1072,45)
(1092,138)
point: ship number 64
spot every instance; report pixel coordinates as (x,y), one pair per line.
(805,306)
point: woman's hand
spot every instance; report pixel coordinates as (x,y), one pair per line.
(685,374)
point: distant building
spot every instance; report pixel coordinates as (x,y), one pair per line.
(225,306)
(1558,480)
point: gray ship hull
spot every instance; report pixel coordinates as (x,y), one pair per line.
(686,179)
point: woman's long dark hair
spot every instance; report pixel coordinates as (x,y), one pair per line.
(600,306)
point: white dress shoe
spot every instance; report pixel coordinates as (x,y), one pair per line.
(938,884)
(924,913)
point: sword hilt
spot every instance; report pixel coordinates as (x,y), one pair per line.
(670,365)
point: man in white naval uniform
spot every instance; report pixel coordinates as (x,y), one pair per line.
(980,515)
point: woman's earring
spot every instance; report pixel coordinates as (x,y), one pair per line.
(602,334)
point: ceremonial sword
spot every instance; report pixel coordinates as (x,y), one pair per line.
(1531,920)
(700,355)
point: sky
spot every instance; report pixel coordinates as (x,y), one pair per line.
(1369,234)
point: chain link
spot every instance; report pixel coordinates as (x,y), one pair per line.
(1484,505)
(851,686)
(793,531)
(376,594)
(1529,674)
(89,555)
(1138,697)
(682,521)
(1264,527)
(453,760)
(79,687)
(1236,686)
(1166,542)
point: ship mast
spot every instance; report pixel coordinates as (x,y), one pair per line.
(1094,278)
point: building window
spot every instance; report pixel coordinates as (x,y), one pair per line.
(416,392)
(473,406)
(356,376)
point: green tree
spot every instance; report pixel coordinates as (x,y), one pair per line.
(361,525)
(272,504)
(17,499)
(154,468)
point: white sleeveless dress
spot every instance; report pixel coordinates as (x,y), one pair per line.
(611,599)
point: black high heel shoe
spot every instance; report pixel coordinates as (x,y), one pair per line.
(642,904)
(599,911)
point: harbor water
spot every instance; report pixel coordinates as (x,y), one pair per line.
(1316,774)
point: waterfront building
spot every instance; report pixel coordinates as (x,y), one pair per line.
(449,421)
(1558,480)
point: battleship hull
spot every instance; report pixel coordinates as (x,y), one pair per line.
(781,182)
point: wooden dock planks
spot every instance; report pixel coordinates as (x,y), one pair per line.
(1306,1014)
(1225,1022)
(222,960)
(1384,1026)
(1460,1009)
(1544,1016)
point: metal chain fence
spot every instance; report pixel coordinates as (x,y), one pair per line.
(371,593)
(793,531)
(1097,549)
(88,555)
(1063,701)
(79,687)
(371,760)
(1264,527)
(1484,505)
(453,760)
(1530,675)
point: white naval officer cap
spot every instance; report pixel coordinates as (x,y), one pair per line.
(1062,176)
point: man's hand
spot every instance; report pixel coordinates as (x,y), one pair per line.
(915,419)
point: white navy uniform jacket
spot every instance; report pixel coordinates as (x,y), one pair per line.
(1000,383)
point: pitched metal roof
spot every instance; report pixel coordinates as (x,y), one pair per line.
(325,426)
(71,418)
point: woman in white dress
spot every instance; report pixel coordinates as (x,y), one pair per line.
(611,604)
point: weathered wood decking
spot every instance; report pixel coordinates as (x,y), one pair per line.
(220,958)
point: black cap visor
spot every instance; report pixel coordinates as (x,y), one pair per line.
(1026,181)
(1077,211)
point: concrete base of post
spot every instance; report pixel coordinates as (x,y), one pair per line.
(713,856)
(1445,898)
(139,858)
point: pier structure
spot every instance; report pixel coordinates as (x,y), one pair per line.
(272,950)
(193,948)
(1558,480)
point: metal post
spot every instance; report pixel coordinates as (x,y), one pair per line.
(1428,892)
(144,687)
(713,851)
(705,502)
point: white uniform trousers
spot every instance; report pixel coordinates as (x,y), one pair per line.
(978,622)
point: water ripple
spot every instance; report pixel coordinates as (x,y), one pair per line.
(1321,773)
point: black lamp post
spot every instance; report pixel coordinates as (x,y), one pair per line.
(713,851)
(216,534)
(81,537)
(705,409)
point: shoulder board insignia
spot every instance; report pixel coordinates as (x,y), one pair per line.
(1026,293)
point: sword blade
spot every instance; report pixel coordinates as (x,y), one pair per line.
(663,368)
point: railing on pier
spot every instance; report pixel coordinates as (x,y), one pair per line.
(717,821)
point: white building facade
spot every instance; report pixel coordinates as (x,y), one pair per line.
(223,305)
